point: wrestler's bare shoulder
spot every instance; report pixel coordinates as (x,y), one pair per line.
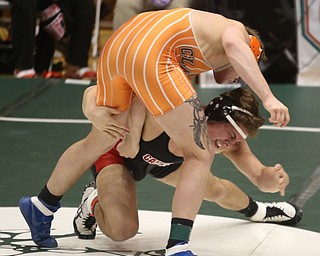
(210,26)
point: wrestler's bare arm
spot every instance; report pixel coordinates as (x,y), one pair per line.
(101,117)
(129,146)
(270,179)
(224,41)
(104,119)
(235,42)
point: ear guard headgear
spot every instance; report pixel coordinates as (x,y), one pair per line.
(255,47)
(221,108)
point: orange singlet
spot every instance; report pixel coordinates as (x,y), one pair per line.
(153,55)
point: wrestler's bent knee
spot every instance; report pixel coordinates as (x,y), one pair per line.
(122,232)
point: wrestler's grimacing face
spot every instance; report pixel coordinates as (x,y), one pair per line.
(224,135)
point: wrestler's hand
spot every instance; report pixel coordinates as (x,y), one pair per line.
(279,113)
(103,119)
(274,179)
(128,147)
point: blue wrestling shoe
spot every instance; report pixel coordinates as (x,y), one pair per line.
(180,249)
(39,216)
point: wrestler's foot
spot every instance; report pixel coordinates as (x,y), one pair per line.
(84,222)
(281,213)
(27,73)
(76,72)
(39,216)
(180,249)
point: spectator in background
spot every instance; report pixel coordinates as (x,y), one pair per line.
(125,10)
(24,15)
(81,15)
(59,19)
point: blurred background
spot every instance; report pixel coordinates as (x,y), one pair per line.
(289,29)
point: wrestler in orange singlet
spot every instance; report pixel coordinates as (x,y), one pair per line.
(154,55)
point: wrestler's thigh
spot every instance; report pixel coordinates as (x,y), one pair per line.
(172,178)
(187,127)
(117,193)
(98,142)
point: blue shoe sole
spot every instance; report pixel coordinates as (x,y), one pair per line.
(186,253)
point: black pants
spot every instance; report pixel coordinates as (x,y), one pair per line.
(80,16)
(30,51)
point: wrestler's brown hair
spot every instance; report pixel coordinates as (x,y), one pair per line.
(245,98)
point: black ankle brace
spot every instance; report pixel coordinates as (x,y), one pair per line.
(251,209)
(46,196)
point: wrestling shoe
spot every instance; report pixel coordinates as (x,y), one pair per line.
(39,216)
(280,213)
(27,73)
(76,72)
(52,74)
(87,73)
(84,222)
(180,249)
